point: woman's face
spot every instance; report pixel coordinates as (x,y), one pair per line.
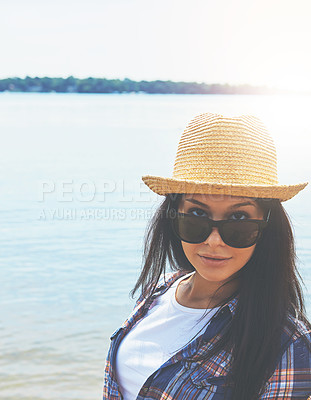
(212,259)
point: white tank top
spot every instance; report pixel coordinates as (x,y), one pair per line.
(165,329)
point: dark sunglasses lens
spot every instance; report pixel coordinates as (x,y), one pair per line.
(191,229)
(240,234)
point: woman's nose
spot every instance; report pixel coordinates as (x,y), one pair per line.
(214,239)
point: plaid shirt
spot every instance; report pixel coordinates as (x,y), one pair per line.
(180,379)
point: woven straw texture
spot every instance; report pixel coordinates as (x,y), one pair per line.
(225,155)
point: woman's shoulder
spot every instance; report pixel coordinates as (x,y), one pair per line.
(296,338)
(165,281)
(298,329)
(169,278)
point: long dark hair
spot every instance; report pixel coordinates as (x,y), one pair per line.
(269,292)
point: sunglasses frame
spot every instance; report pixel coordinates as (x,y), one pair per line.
(210,223)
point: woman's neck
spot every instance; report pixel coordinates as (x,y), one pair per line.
(197,292)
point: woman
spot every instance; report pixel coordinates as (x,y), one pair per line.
(229,323)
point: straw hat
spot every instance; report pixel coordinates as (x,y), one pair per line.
(225,155)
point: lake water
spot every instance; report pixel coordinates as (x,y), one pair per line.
(73,213)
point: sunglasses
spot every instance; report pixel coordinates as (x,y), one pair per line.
(235,233)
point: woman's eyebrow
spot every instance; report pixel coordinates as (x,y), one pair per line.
(246,203)
(198,203)
(237,205)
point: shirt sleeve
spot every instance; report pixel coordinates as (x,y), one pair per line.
(292,377)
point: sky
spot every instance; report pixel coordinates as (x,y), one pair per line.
(257,42)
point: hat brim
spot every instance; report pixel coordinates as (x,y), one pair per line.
(164,186)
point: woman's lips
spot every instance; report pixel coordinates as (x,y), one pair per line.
(214,260)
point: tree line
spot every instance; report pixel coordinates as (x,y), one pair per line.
(102,85)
